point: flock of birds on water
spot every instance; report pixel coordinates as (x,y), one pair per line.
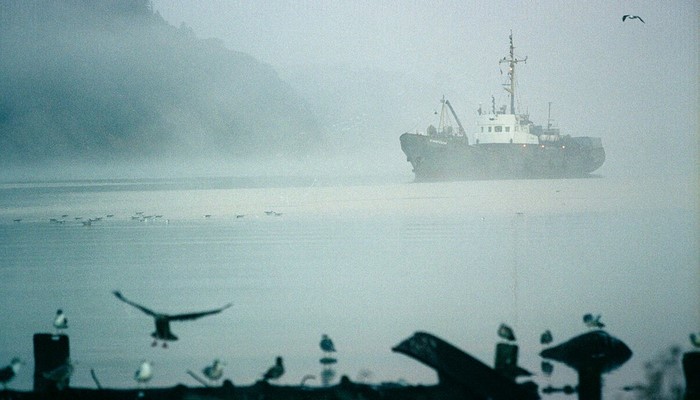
(139,216)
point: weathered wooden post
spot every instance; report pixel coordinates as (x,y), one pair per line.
(691,370)
(506,362)
(50,352)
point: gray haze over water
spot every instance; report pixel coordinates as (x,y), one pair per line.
(633,84)
(368,264)
(361,252)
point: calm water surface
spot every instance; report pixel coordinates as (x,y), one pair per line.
(368,264)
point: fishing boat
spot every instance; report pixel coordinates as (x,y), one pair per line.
(503,145)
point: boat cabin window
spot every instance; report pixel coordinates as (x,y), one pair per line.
(507,128)
(498,128)
(489,129)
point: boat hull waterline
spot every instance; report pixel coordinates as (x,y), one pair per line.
(453,158)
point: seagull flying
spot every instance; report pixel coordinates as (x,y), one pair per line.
(546,337)
(327,344)
(162,320)
(506,332)
(60,322)
(215,371)
(9,372)
(276,371)
(627,16)
(593,322)
(144,373)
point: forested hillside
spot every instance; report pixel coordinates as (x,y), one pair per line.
(110,79)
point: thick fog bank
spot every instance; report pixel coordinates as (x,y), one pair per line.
(112,81)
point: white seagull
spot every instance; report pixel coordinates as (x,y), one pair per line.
(215,371)
(144,373)
(60,322)
(593,322)
(162,320)
(9,372)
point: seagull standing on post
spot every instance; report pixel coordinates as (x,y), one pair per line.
(327,344)
(506,332)
(60,322)
(593,322)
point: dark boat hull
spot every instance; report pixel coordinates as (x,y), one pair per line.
(452,158)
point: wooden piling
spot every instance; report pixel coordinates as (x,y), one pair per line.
(50,352)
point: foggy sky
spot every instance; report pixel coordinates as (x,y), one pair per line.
(633,84)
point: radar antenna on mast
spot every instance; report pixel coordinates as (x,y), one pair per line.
(511,60)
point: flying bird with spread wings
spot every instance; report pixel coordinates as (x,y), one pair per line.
(162,320)
(627,16)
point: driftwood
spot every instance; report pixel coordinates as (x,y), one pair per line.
(458,369)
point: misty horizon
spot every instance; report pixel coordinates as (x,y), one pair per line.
(623,84)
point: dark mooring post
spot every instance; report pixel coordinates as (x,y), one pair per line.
(591,355)
(590,384)
(506,361)
(691,370)
(50,352)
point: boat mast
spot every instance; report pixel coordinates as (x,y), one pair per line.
(511,60)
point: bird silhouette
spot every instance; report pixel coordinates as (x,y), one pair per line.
(695,340)
(61,374)
(162,320)
(144,373)
(506,332)
(593,322)
(627,16)
(60,322)
(276,371)
(327,344)
(546,337)
(215,371)
(547,368)
(9,372)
